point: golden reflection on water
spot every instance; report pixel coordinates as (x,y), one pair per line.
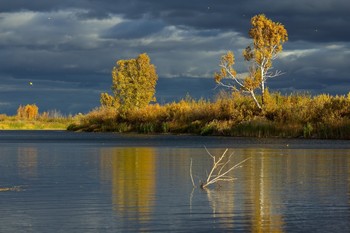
(272,174)
(254,181)
(260,179)
(132,173)
(264,183)
(27,162)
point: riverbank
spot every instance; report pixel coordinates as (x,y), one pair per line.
(293,116)
(15,123)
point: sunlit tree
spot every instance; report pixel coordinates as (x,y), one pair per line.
(134,83)
(268,38)
(30,111)
(107,100)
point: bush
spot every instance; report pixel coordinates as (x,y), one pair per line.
(30,111)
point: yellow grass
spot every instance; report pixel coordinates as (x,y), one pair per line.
(18,123)
(321,116)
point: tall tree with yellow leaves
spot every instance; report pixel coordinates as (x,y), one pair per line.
(133,84)
(268,37)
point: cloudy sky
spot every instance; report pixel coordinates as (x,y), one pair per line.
(67,48)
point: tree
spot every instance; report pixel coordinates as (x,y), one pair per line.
(30,111)
(133,84)
(268,37)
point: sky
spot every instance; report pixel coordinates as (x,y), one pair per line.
(66,49)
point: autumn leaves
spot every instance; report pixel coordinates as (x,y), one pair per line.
(268,37)
(133,84)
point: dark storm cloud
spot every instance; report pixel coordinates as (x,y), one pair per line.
(67,97)
(329,18)
(68,48)
(134,29)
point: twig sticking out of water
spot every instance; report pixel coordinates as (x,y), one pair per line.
(194,186)
(220,169)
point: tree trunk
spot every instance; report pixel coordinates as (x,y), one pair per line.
(262,94)
(255,100)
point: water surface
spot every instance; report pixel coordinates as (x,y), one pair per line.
(84,182)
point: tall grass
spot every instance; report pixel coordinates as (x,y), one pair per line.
(40,122)
(297,115)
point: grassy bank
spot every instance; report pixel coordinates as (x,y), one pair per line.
(40,123)
(321,116)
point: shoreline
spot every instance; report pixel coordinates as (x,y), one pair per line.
(112,139)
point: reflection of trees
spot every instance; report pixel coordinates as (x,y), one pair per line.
(264,184)
(261,178)
(297,175)
(256,179)
(132,174)
(27,161)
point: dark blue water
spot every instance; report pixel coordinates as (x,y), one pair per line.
(57,181)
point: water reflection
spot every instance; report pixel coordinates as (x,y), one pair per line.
(261,181)
(99,188)
(252,192)
(222,205)
(27,162)
(273,190)
(132,174)
(273,179)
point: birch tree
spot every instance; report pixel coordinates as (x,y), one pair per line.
(268,38)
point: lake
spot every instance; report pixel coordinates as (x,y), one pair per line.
(58,181)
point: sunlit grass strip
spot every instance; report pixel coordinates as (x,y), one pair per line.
(34,125)
(321,116)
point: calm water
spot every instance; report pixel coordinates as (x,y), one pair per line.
(55,181)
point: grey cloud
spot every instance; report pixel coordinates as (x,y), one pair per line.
(134,29)
(322,69)
(330,18)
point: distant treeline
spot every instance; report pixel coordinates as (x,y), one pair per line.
(298,115)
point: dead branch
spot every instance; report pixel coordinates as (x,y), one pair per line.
(220,169)
(194,186)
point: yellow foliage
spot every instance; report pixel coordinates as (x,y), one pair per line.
(134,83)
(149,113)
(226,64)
(295,115)
(268,37)
(30,111)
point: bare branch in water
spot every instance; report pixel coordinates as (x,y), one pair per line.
(194,186)
(220,169)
